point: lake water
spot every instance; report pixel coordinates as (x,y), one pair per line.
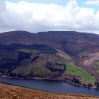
(51,86)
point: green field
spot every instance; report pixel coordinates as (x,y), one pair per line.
(77,71)
(97,63)
(82,52)
(97,71)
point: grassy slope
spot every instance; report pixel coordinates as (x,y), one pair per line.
(63,55)
(76,71)
(15,92)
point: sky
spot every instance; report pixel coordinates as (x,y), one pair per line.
(49,15)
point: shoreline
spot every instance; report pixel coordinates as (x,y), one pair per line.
(37,78)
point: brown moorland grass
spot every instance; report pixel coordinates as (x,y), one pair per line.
(15,92)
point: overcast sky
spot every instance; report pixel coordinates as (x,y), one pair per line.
(49,15)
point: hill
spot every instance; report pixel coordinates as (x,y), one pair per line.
(15,92)
(54,55)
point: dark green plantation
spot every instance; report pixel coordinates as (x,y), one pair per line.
(23,61)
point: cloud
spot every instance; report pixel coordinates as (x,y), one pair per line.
(35,17)
(2,5)
(2,10)
(92,2)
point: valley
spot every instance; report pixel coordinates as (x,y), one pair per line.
(55,55)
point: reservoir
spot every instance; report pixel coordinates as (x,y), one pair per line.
(51,86)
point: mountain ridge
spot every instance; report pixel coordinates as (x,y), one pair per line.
(47,34)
